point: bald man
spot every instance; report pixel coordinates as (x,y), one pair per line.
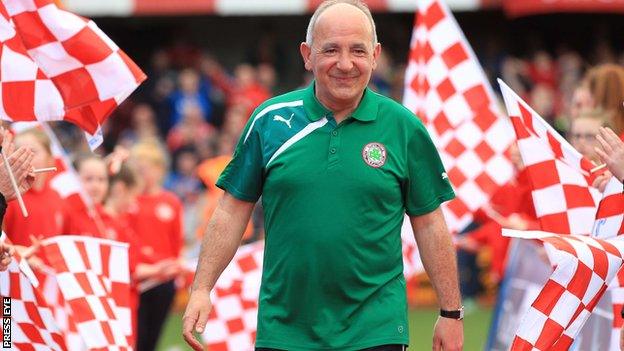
(337,166)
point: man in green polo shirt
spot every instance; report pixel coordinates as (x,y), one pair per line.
(337,166)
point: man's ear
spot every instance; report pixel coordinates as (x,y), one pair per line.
(376,53)
(306,51)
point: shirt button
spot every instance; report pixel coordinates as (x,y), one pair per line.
(334,133)
(333,150)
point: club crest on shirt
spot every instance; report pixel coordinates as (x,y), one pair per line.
(164,212)
(374,154)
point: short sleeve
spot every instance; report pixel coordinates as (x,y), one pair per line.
(427,184)
(243,176)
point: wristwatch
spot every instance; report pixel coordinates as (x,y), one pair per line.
(455,314)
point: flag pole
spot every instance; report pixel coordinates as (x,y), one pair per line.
(43,170)
(597,168)
(20,200)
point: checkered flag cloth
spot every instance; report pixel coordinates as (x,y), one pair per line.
(49,289)
(60,66)
(617,299)
(232,321)
(32,323)
(610,215)
(565,202)
(94,278)
(412,264)
(585,267)
(609,223)
(446,87)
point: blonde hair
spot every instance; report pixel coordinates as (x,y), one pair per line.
(40,136)
(360,5)
(81,158)
(152,151)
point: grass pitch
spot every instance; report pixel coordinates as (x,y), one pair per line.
(476,327)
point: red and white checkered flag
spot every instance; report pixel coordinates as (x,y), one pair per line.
(32,322)
(59,66)
(610,215)
(94,278)
(412,264)
(49,289)
(446,87)
(232,322)
(565,202)
(610,223)
(585,267)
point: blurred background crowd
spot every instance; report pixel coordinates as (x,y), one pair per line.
(206,74)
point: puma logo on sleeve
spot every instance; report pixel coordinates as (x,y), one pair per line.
(282,119)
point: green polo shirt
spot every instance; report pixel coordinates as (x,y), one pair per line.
(334,196)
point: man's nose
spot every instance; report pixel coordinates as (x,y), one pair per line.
(344,62)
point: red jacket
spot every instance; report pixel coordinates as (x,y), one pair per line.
(157,222)
(46,216)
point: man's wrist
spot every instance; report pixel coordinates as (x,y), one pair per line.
(457,314)
(200,288)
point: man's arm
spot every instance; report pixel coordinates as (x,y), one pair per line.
(439,259)
(222,238)
(219,245)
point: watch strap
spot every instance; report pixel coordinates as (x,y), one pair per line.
(453,314)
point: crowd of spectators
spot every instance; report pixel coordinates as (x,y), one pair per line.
(198,108)
(195,109)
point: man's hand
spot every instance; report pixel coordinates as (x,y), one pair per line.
(6,251)
(438,257)
(195,317)
(448,335)
(218,246)
(611,152)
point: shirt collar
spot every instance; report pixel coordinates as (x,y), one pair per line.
(366,110)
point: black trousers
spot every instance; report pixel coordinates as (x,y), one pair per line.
(396,347)
(154,307)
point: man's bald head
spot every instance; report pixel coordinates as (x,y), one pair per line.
(329,3)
